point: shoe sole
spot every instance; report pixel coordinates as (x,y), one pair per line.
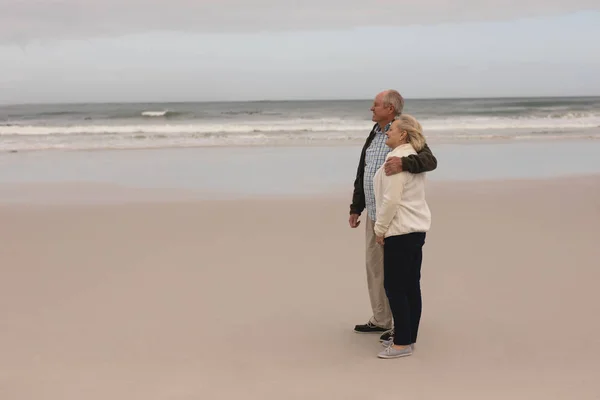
(379,332)
(398,356)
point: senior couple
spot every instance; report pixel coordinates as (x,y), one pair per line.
(390,184)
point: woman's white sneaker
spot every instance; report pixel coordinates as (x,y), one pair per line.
(392,352)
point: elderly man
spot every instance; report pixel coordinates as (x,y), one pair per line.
(387,106)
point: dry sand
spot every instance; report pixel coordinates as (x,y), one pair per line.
(256,299)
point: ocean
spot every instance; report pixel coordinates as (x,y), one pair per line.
(266,123)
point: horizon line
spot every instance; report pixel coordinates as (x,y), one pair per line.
(293,100)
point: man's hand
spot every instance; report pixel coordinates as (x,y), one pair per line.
(353,220)
(392,166)
(379,240)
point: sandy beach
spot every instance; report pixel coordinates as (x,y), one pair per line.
(176,180)
(257,298)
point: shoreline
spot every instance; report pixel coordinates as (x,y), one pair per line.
(288,170)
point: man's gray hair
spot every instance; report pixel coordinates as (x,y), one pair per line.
(394,99)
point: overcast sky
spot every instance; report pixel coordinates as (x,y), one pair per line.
(184,50)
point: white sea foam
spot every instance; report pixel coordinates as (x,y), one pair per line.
(154,142)
(296,125)
(200,126)
(323,126)
(154,113)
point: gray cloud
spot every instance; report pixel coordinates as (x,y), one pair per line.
(25,20)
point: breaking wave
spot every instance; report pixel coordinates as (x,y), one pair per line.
(360,127)
(121,126)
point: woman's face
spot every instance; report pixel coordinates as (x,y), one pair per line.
(395,135)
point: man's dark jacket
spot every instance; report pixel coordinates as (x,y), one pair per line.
(424,161)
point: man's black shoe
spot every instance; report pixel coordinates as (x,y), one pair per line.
(369,328)
(387,336)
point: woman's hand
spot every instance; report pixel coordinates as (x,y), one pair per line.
(379,240)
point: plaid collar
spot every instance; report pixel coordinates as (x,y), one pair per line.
(386,128)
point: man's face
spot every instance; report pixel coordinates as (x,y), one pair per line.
(380,113)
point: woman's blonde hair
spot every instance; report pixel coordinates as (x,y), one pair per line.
(415,136)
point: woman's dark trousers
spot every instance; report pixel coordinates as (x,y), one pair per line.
(402,257)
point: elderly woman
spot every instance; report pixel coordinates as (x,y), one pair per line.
(403,218)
